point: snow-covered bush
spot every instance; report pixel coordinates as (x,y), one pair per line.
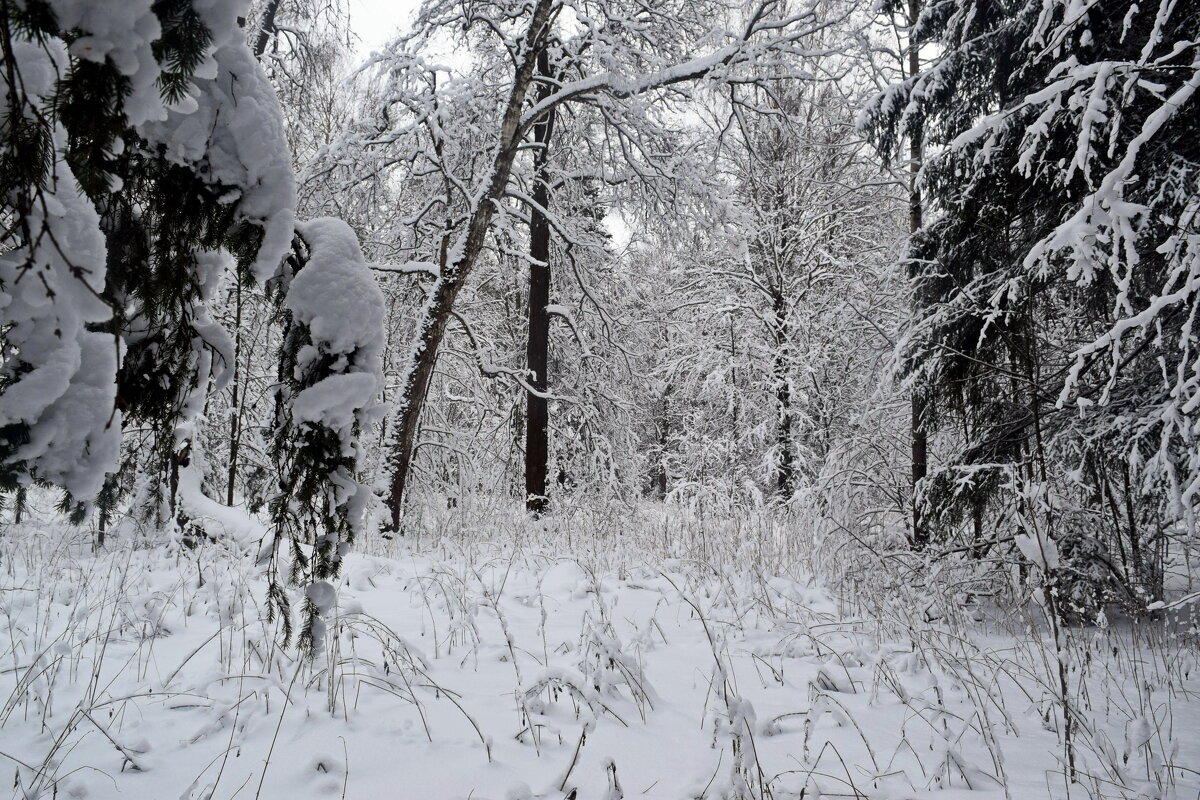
(330,375)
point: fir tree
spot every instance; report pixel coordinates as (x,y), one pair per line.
(167,177)
(330,377)
(1057,275)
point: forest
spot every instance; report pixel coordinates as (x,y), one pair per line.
(600,399)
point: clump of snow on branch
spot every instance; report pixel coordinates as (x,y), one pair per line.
(57,376)
(234,130)
(121,31)
(335,297)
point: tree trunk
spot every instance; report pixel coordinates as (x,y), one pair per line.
(537,422)
(659,475)
(734,404)
(786,477)
(436,315)
(235,411)
(920,440)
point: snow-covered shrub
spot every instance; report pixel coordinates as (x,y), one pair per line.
(331,374)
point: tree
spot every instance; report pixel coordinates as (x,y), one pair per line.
(788,247)
(301,47)
(817,216)
(1057,277)
(129,168)
(538,353)
(607,58)
(330,375)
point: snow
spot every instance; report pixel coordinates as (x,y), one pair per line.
(334,294)
(62,378)
(334,401)
(410,268)
(78,435)
(234,132)
(323,596)
(1039,548)
(122,31)
(586,655)
(63,385)
(484,668)
(232,526)
(337,298)
(229,123)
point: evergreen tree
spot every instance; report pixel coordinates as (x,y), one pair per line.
(140,142)
(330,376)
(1057,276)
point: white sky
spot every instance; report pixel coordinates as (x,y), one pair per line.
(377,21)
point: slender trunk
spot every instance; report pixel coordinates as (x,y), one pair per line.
(19,505)
(537,356)
(920,468)
(735,406)
(658,473)
(786,477)
(1051,577)
(181,458)
(436,316)
(920,440)
(235,410)
(659,482)
(514,480)
(1147,568)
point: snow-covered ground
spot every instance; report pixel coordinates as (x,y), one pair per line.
(482,664)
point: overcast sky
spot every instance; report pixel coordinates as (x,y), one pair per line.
(376,21)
